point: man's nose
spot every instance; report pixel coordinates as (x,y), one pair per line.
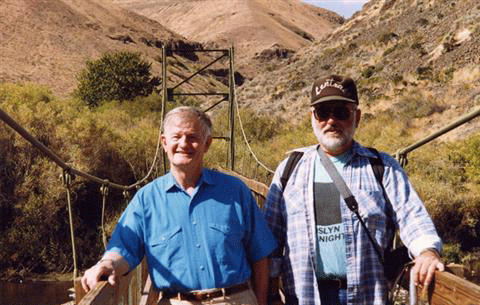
(183,141)
(331,118)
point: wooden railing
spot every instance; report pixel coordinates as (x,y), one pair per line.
(136,288)
(258,189)
(133,289)
(450,289)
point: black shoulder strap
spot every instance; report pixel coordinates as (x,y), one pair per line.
(378,169)
(377,165)
(295,156)
(293,159)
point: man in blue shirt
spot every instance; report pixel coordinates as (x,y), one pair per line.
(327,257)
(201,231)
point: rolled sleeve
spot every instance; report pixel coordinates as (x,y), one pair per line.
(127,238)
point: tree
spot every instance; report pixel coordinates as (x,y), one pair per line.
(115,76)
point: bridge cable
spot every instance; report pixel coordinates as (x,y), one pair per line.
(69,174)
(67,180)
(56,159)
(104,192)
(245,136)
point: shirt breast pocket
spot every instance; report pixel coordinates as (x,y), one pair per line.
(229,240)
(167,248)
(372,210)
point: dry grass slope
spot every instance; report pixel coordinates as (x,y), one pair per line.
(421,55)
(251,25)
(48,41)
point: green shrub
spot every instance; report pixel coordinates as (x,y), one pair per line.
(115,76)
(117,142)
(423,22)
(451,253)
(397,79)
(326,67)
(418,46)
(441,176)
(389,50)
(417,106)
(368,71)
(385,38)
(467,155)
(424,72)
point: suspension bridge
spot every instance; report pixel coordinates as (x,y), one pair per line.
(448,288)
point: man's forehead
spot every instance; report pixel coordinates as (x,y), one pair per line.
(183,126)
(180,121)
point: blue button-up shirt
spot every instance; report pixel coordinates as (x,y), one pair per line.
(207,240)
(290,215)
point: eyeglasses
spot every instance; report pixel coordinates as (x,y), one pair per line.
(339,112)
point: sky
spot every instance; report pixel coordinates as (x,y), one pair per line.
(345,8)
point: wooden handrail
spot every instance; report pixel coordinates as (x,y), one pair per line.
(449,289)
(126,291)
(103,293)
(259,189)
(256,187)
(106,294)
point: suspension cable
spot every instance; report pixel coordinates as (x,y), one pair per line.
(55,158)
(245,136)
(69,173)
(67,180)
(104,192)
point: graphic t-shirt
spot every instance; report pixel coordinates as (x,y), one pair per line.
(331,261)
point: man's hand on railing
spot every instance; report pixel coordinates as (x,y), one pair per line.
(109,268)
(425,265)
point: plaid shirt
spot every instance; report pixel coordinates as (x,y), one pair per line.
(290,215)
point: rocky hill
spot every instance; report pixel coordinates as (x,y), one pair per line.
(420,56)
(48,41)
(405,54)
(260,30)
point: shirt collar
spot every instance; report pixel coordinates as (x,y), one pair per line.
(205,177)
(358,149)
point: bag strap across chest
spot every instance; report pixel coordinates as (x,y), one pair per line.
(295,156)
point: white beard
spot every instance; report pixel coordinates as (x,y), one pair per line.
(332,141)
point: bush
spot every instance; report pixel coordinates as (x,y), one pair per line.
(385,38)
(368,71)
(451,253)
(424,72)
(468,153)
(115,76)
(117,142)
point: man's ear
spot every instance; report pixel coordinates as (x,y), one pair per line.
(163,139)
(358,114)
(208,143)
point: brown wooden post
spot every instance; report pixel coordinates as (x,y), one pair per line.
(79,292)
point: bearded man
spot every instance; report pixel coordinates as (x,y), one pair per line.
(325,255)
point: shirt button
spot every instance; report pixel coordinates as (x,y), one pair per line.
(198,245)
(202,268)
(194,222)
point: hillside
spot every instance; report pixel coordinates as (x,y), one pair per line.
(259,29)
(48,41)
(407,55)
